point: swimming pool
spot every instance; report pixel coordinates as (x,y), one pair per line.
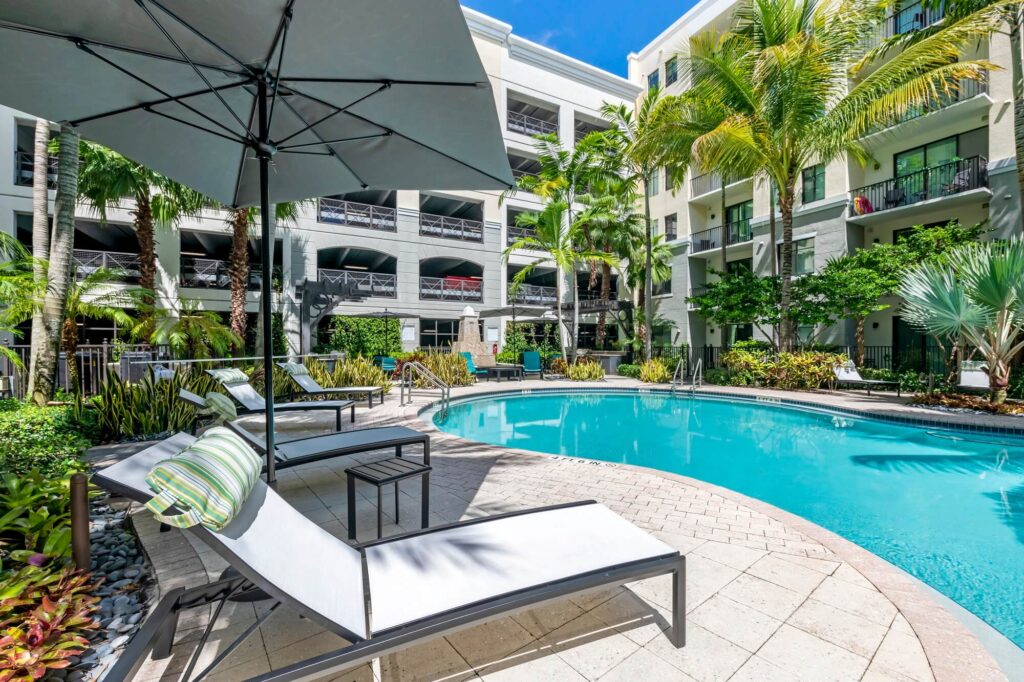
(946,506)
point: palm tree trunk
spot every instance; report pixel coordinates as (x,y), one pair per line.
(266,251)
(238,269)
(69,344)
(575,314)
(144,231)
(40,237)
(858,337)
(786,325)
(725,227)
(558,309)
(1018,94)
(606,290)
(58,275)
(648,297)
(772,238)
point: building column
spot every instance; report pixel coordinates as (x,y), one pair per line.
(289,304)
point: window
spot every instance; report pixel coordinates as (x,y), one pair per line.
(663,288)
(671,71)
(805,333)
(803,256)
(669,175)
(899,235)
(652,80)
(737,220)
(922,172)
(814,183)
(926,156)
(737,332)
(734,267)
(652,184)
(654,226)
(671,227)
(438,333)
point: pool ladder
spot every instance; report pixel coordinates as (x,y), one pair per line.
(413,370)
(696,380)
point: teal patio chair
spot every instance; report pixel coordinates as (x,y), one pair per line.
(387,363)
(532,364)
(473,369)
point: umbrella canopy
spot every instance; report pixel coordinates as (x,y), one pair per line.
(253,102)
(513,310)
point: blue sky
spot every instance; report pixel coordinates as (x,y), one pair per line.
(599,32)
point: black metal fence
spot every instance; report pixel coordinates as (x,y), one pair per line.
(94,361)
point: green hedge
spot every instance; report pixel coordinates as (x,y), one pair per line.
(629,371)
(47,439)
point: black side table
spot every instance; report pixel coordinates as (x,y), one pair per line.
(380,474)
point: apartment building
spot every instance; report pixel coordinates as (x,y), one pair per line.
(952,160)
(423,254)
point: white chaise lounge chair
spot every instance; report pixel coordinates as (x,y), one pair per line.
(311,388)
(386,595)
(974,376)
(847,375)
(252,402)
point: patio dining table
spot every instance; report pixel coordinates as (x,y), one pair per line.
(498,371)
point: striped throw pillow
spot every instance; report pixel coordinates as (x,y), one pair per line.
(229,375)
(294,368)
(220,407)
(209,481)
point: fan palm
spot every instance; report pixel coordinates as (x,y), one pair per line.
(193,333)
(976,293)
(790,84)
(106,178)
(92,297)
(550,231)
(20,291)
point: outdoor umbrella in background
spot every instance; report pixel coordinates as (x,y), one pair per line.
(253,102)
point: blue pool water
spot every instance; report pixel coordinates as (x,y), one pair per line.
(946,506)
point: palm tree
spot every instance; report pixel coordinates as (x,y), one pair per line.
(58,273)
(92,297)
(40,231)
(790,84)
(193,333)
(107,177)
(551,231)
(635,274)
(20,291)
(242,222)
(638,162)
(976,293)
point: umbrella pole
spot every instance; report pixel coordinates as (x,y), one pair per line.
(266,270)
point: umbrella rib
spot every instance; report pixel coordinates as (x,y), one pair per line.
(446,84)
(185,56)
(199,34)
(337,111)
(168,97)
(404,137)
(236,140)
(333,153)
(111,46)
(282,35)
(329,142)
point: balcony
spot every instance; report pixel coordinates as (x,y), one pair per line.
(694,292)
(341,212)
(532,294)
(530,125)
(451,289)
(515,233)
(87,262)
(24,170)
(948,179)
(372,284)
(447,227)
(911,18)
(209,273)
(709,182)
(737,232)
(966,90)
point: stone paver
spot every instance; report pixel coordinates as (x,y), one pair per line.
(766,599)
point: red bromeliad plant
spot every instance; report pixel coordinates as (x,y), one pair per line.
(43,617)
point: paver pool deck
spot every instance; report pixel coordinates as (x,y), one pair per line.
(770,596)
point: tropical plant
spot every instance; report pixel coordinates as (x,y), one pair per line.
(585,370)
(149,407)
(451,368)
(43,438)
(357,371)
(789,84)
(21,292)
(553,232)
(43,379)
(35,518)
(106,178)
(191,332)
(628,370)
(634,273)
(655,371)
(365,336)
(977,293)
(637,162)
(44,617)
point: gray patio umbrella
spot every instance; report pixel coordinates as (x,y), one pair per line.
(253,102)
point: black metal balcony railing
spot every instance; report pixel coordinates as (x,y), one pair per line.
(694,292)
(931,183)
(377,284)
(87,262)
(515,233)
(24,170)
(342,212)
(451,289)
(737,232)
(530,125)
(210,273)
(451,228)
(709,182)
(911,18)
(966,89)
(532,294)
